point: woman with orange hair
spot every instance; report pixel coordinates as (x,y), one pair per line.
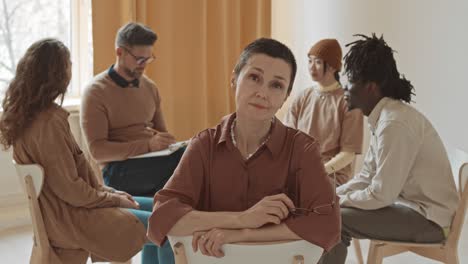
(322,112)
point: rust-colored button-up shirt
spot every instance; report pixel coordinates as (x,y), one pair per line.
(213,176)
(80,216)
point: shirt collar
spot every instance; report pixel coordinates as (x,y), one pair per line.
(330,88)
(375,113)
(225,127)
(276,140)
(273,144)
(120,81)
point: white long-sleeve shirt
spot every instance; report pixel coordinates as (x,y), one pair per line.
(406,163)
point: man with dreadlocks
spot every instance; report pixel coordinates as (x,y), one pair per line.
(405,190)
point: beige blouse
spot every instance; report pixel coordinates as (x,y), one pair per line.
(213,176)
(325,116)
(80,216)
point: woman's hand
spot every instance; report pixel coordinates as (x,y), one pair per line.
(126,202)
(271,209)
(211,242)
(161,140)
(126,195)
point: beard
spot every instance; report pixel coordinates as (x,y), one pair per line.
(135,73)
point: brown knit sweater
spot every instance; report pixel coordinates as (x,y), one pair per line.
(80,215)
(114,119)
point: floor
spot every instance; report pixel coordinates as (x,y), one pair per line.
(15,248)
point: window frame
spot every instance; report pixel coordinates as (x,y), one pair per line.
(80,49)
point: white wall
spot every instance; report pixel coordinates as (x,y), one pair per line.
(430,37)
(8,183)
(13,206)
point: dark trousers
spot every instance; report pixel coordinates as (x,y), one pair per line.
(141,177)
(394,223)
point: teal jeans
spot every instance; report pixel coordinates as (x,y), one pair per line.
(151,254)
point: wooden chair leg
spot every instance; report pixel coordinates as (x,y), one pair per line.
(375,255)
(358,251)
(298,259)
(179,253)
(451,257)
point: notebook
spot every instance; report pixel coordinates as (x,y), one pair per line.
(165,152)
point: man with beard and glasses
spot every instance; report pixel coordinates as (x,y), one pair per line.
(121,117)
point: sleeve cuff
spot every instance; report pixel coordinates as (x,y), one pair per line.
(163,218)
(354,149)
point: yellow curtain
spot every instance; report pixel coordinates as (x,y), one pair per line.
(198,45)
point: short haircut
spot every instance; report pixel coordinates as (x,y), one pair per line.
(134,34)
(272,48)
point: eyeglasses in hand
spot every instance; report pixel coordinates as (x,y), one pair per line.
(324,209)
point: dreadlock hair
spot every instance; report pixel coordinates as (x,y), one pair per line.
(370,59)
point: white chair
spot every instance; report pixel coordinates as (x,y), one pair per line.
(31,177)
(282,252)
(446,252)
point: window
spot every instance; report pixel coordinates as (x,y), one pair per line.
(23,22)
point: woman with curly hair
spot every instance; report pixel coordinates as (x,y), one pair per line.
(81,216)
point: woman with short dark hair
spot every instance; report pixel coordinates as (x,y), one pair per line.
(250,178)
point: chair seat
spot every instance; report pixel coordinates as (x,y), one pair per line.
(408,244)
(276,252)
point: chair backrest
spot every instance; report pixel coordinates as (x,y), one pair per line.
(458,219)
(35,171)
(271,252)
(31,177)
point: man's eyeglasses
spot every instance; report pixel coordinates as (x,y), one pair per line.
(140,60)
(324,209)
